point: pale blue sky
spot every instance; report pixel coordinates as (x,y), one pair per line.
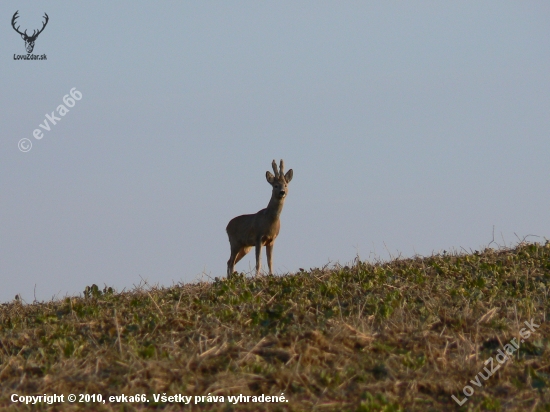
(411,127)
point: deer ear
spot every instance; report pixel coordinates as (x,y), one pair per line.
(288,176)
(270,178)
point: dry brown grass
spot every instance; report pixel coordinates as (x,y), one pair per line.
(386,336)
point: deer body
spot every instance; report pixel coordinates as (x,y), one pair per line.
(262,228)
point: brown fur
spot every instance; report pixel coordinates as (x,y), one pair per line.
(262,228)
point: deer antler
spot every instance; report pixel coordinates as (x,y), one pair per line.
(15,16)
(281,169)
(34,33)
(43,26)
(274,165)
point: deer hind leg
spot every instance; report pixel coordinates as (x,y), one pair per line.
(232,260)
(269,253)
(237,253)
(242,253)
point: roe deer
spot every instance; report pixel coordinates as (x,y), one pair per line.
(262,228)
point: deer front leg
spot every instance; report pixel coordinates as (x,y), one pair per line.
(258,256)
(269,250)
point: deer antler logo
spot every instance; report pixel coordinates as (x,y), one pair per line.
(29,40)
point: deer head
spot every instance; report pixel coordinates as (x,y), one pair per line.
(280,181)
(29,40)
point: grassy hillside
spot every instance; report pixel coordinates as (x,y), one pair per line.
(401,335)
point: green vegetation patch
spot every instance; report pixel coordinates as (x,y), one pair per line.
(403,335)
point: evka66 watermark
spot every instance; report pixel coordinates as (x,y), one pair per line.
(29,39)
(69,100)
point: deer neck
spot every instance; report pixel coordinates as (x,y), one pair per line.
(275,207)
